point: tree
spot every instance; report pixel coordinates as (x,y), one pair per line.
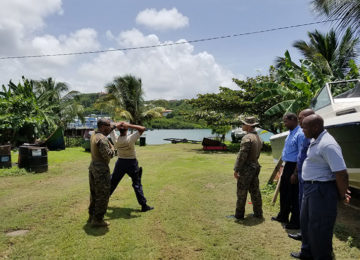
(224,108)
(125,99)
(293,87)
(34,109)
(346,11)
(328,52)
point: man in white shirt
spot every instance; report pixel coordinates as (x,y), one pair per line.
(127,162)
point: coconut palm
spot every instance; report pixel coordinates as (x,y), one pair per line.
(125,99)
(346,11)
(330,53)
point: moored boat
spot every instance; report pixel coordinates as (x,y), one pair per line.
(341,114)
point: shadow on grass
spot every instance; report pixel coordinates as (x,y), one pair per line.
(250,220)
(125,213)
(98,231)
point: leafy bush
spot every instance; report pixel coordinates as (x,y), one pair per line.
(74,141)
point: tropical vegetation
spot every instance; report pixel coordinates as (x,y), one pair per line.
(33,109)
(125,100)
(345,12)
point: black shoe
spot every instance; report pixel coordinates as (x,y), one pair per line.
(257,216)
(146,208)
(296,236)
(299,255)
(279,219)
(292,226)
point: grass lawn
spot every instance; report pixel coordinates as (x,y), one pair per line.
(192,192)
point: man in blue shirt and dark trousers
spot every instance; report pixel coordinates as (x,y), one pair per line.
(289,189)
(325,181)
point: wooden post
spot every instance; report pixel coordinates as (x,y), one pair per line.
(276,169)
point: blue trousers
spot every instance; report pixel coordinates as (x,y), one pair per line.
(131,167)
(317,217)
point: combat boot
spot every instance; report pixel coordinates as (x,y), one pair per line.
(101,223)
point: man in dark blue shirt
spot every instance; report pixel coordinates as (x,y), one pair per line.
(300,160)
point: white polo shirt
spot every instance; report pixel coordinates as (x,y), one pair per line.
(324,157)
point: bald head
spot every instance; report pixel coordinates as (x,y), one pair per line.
(304,113)
(313,125)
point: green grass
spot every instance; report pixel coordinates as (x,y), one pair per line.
(192,191)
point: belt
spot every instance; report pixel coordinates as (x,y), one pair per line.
(320,182)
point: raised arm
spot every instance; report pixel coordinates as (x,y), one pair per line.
(139,128)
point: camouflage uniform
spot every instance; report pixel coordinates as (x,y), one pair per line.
(248,168)
(99,175)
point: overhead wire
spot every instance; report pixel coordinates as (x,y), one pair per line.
(168,44)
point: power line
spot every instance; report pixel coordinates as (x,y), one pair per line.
(168,44)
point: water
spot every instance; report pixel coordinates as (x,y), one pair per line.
(157,136)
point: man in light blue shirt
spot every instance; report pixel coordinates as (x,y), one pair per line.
(289,189)
(325,181)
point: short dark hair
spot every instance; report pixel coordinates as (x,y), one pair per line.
(122,130)
(291,116)
(103,121)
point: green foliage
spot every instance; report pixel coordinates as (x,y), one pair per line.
(224,108)
(74,141)
(33,109)
(124,100)
(346,13)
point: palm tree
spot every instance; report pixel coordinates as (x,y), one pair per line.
(346,11)
(330,53)
(125,99)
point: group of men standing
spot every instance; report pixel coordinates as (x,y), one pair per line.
(314,178)
(102,184)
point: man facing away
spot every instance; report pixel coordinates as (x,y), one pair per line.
(325,181)
(300,160)
(289,189)
(99,173)
(127,162)
(247,169)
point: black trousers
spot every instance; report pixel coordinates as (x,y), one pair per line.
(131,167)
(318,215)
(289,196)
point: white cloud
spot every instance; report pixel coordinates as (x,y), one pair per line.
(166,72)
(163,19)
(20,19)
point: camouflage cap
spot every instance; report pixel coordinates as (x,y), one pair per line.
(249,120)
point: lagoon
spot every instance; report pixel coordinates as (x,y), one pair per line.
(157,136)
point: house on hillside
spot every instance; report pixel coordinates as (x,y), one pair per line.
(166,112)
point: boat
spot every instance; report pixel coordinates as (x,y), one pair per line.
(341,114)
(210,144)
(237,134)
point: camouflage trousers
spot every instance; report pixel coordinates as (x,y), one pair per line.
(248,182)
(99,179)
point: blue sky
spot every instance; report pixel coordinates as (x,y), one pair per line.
(181,71)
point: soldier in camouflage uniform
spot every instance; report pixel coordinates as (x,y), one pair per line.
(99,173)
(247,169)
